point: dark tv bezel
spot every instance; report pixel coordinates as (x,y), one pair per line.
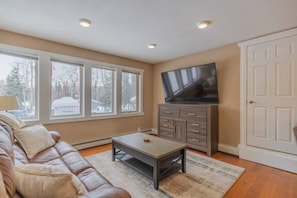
(194,100)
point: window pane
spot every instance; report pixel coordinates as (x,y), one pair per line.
(184,75)
(18,78)
(65,89)
(173,81)
(129,92)
(102,90)
(195,73)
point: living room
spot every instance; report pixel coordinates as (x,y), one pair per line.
(95,130)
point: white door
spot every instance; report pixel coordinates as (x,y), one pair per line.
(272,95)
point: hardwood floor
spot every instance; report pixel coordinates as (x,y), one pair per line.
(258,181)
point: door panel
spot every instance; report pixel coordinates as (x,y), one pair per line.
(284,120)
(284,79)
(260,122)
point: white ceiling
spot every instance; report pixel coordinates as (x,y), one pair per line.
(125,27)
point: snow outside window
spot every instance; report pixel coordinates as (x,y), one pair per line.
(18,78)
(66,97)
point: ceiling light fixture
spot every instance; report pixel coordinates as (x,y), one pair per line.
(203,24)
(85,22)
(152,46)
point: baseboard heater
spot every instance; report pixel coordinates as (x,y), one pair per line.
(92,143)
(99,142)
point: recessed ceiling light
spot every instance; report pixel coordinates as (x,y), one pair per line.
(85,22)
(203,24)
(152,46)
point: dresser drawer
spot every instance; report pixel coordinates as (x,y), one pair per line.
(196,124)
(168,111)
(196,131)
(196,127)
(167,123)
(168,133)
(193,113)
(195,139)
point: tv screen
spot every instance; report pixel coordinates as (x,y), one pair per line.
(197,84)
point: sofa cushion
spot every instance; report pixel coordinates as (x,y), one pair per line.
(6,142)
(13,122)
(34,139)
(40,180)
(3,192)
(6,168)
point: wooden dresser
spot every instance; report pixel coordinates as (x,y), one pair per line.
(194,124)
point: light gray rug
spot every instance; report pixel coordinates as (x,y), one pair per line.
(205,178)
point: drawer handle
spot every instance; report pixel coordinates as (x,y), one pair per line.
(165,120)
(194,124)
(165,125)
(196,140)
(196,131)
(191,114)
(166,133)
(168,112)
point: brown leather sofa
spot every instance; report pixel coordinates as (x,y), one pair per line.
(60,154)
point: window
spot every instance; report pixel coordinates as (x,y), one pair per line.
(18,78)
(102,91)
(55,88)
(66,92)
(130,93)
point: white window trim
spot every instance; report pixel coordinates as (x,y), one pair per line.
(44,80)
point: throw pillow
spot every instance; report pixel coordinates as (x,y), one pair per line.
(13,122)
(34,139)
(47,181)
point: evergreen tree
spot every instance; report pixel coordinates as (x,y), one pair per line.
(13,83)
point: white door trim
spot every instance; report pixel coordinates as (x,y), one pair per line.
(264,156)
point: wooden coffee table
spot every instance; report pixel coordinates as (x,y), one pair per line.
(156,159)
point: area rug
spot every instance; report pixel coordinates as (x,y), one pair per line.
(204,178)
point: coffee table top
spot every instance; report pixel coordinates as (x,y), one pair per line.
(157,147)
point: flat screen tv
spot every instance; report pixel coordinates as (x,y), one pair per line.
(196,84)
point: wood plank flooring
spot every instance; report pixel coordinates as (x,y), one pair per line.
(258,181)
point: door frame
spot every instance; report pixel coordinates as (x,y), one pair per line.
(275,159)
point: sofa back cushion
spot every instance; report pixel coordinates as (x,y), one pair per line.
(7,170)
(6,139)
(3,191)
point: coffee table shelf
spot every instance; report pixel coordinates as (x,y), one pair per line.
(146,169)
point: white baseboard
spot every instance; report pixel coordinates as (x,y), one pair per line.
(228,149)
(99,142)
(287,162)
(84,145)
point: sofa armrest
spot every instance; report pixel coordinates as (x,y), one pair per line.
(107,192)
(55,135)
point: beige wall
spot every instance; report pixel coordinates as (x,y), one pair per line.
(227,61)
(76,132)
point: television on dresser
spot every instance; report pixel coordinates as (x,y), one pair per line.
(195,84)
